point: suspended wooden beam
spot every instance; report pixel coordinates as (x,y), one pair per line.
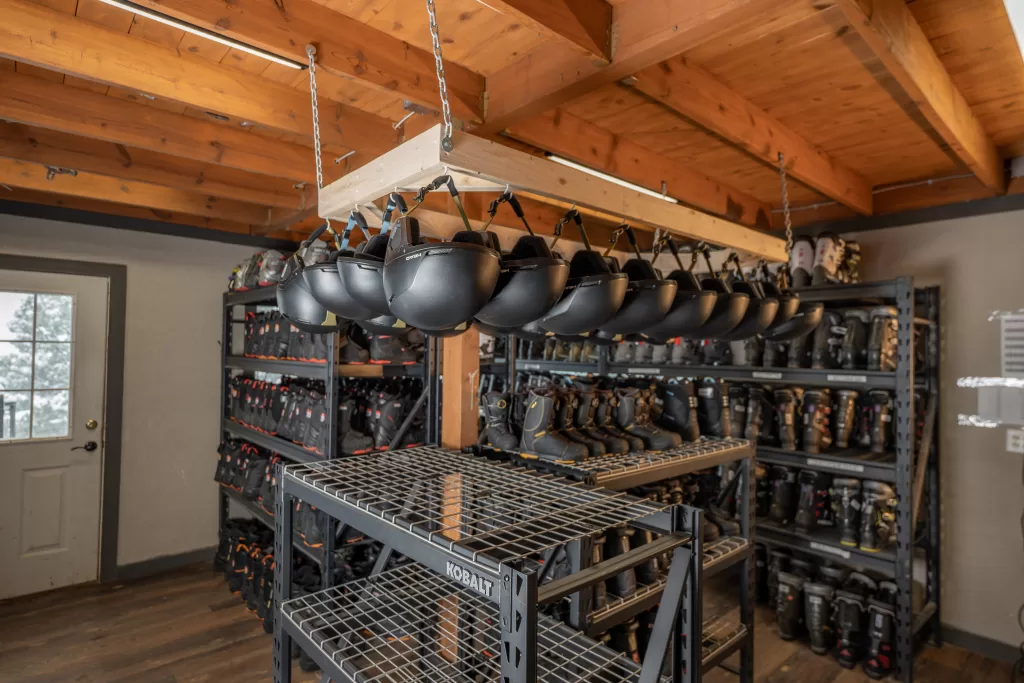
(645,32)
(40,103)
(55,40)
(480,165)
(574,138)
(584,25)
(704,100)
(895,37)
(345,46)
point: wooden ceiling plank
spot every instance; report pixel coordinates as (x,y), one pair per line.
(581,24)
(895,37)
(645,32)
(345,47)
(701,98)
(570,136)
(103,158)
(58,41)
(58,107)
(33,176)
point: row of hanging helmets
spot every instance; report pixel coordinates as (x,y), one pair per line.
(397,279)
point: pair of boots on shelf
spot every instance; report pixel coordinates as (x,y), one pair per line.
(701,489)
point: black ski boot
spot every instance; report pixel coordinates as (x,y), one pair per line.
(716,352)
(604,417)
(789,608)
(763,491)
(391,350)
(800,352)
(857,322)
(879,407)
(813,509)
(850,602)
(827,341)
(713,408)
(818,597)
(584,421)
(738,399)
(597,557)
(760,573)
(624,640)
(648,572)
(844,416)
(775,354)
(783,495)
(877,516)
(391,414)
(883,338)
(710,485)
(565,414)
(351,441)
(747,352)
(778,562)
(631,417)
(846,507)
(351,353)
(817,406)
(785,415)
(679,409)
(538,437)
(622,584)
(804,568)
(685,352)
(881,627)
(496,417)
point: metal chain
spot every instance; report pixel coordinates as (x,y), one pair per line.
(785,204)
(311,52)
(442,85)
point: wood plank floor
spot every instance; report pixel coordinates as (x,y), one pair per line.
(185,627)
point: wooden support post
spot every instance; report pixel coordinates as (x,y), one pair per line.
(461,372)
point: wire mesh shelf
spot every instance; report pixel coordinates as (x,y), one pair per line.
(490,512)
(721,637)
(409,624)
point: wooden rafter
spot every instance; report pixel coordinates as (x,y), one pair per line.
(895,37)
(645,32)
(570,136)
(41,36)
(707,102)
(345,47)
(584,25)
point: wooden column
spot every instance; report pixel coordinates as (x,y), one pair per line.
(461,371)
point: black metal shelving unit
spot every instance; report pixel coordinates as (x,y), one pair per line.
(468,607)
(267,520)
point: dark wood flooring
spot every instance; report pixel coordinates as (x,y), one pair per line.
(185,627)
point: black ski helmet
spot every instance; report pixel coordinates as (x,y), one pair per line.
(648,296)
(730,306)
(324,283)
(761,311)
(691,307)
(362,273)
(294,299)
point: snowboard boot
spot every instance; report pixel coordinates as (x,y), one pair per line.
(738,400)
(783,495)
(857,322)
(818,599)
(631,416)
(747,352)
(351,441)
(844,415)
(585,425)
(391,415)
(881,628)
(604,417)
(846,508)
(762,491)
(879,408)
(716,352)
(678,409)
(622,584)
(778,562)
(801,261)
(352,353)
(877,516)
(390,350)
(565,413)
(539,439)
(850,601)
(710,485)
(789,607)
(883,338)
(785,418)
(828,253)
(760,573)
(827,342)
(812,508)
(713,408)
(817,406)
(496,418)
(799,352)
(775,354)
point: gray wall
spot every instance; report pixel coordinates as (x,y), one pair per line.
(977,261)
(172,374)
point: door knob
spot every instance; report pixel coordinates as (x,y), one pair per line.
(89,447)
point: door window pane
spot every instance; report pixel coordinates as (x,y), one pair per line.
(15,365)
(15,414)
(17,316)
(53,317)
(49,414)
(53,366)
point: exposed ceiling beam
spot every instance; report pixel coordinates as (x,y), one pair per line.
(707,102)
(895,37)
(36,102)
(33,176)
(95,156)
(645,32)
(570,136)
(345,46)
(55,40)
(584,25)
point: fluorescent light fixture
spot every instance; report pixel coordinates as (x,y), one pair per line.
(612,179)
(1015,10)
(202,32)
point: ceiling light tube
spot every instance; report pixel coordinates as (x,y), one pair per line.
(203,33)
(612,179)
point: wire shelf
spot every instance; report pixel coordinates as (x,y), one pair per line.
(409,624)
(721,637)
(491,512)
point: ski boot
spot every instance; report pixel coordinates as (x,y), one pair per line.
(716,352)
(686,352)
(713,408)
(817,406)
(879,407)
(679,409)
(827,341)
(760,573)
(496,414)
(857,322)
(747,352)
(778,562)
(813,505)
(844,412)
(783,495)
(789,607)
(801,261)
(828,254)
(785,414)
(877,516)
(738,399)
(762,491)
(818,598)
(539,439)
(850,601)
(625,352)
(799,352)
(710,485)
(622,584)
(881,628)
(632,416)
(883,338)
(775,354)
(597,557)
(845,494)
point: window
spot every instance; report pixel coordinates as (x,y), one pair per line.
(35,365)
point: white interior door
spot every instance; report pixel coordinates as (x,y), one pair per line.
(53,358)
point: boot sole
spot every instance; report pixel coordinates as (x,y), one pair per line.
(388,362)
(537,456)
